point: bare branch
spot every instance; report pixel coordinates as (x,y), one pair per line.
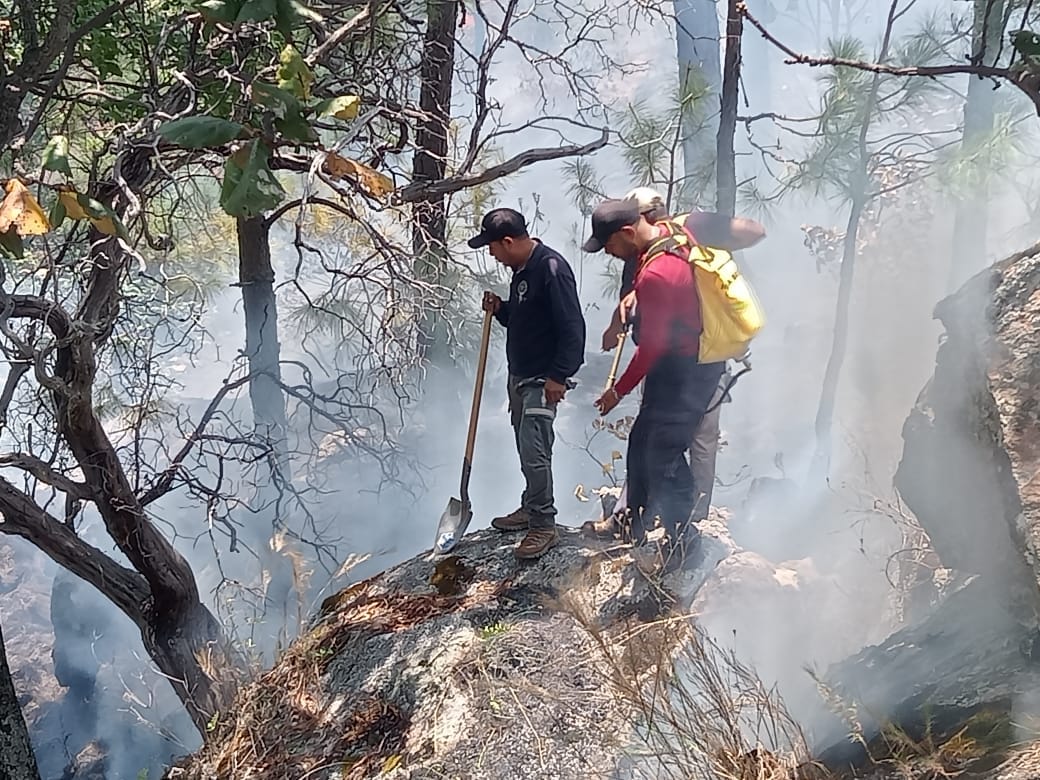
(424,190)
(23,517)
(45,473)
(1023,81)
(165,480)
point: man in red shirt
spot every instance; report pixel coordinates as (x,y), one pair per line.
(677,390)
(711,229)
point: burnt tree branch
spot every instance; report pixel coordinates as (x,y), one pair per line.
(1027,83)
(421,190)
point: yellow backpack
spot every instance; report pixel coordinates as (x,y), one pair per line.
(731,315)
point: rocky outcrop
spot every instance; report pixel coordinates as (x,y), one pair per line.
(972,443)
(969,473)
(470,665)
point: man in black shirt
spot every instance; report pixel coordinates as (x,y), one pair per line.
(545,346)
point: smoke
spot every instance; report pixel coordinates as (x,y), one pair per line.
(834,594)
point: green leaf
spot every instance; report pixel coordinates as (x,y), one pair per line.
(56,156)
(220,10)
(200,132)
(249,187)
(290,13)
(296,128)
(293,73)
(1026,43)
(257,11)
(342,107)
(280,102)
(11,244)
(57,215)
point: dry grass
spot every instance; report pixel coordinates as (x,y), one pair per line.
(699,712)
(283,725)
(926,750)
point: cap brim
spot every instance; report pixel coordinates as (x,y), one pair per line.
(592,244)
(479,240)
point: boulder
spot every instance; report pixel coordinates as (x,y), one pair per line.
(972,442)
(969,473)
(470,665)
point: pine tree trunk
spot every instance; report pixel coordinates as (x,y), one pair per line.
(17,761)
(697,44)
(971,212)
(726,178)
(256,278)
(861,195)
(429,220)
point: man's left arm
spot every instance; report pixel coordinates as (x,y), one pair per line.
(722,232)
(568,321)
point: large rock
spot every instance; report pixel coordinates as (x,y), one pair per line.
(470,665)
(972,443)
(971,474)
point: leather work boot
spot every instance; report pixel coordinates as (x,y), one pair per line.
(604,528)
(516,520)
(536,543)
(617,525)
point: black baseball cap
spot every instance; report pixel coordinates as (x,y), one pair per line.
(607,219)
(499,224)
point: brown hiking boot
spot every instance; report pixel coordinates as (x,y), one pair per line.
(536,543)
(604,528)
(517,520)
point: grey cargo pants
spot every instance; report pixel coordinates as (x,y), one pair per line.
(532,420)
(704,449)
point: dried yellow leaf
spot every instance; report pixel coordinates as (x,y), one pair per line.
(391,763)
(73,210)
(21,210)
(376,184)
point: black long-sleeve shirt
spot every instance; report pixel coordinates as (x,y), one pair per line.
(545,329)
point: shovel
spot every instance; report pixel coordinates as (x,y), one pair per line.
(456,517)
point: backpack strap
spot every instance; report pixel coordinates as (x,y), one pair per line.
(677,241)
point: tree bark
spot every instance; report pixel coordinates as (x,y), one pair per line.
(697,44)
(160,595)
(726,178)
(971,212)
(256,278)
(17,761)
(429,219)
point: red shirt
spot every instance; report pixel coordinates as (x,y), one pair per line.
(669,316)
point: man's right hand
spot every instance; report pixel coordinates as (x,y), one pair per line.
(491,302)
(610,335)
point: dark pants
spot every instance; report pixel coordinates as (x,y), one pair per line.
(532,420)
(660,482)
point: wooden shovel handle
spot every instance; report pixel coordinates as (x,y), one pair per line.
(478,391)
(617,359)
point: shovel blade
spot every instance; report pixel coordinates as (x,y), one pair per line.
(452,525)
